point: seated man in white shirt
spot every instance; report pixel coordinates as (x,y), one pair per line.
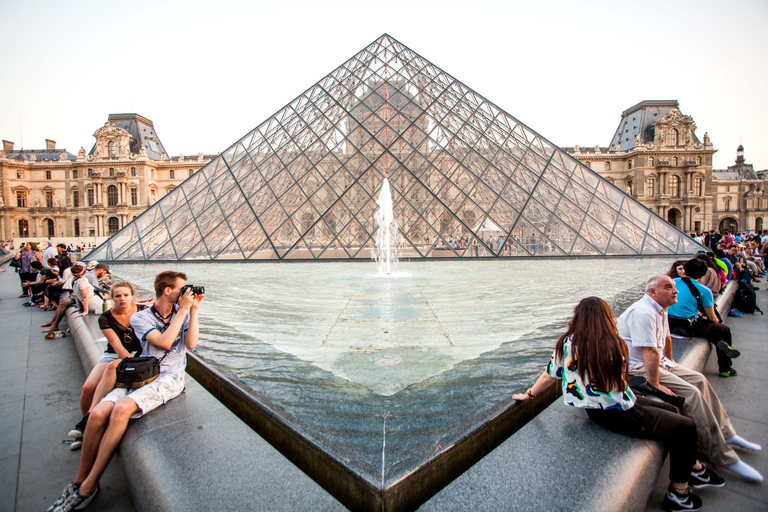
(645,329)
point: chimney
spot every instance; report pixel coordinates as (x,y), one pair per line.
(7,145)
(50,144)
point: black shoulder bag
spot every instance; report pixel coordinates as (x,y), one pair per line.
(699,305)
(137,371)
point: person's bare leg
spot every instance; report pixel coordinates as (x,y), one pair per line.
(90,387)
(94,432)
(118,422)
(107,382)
(54,324)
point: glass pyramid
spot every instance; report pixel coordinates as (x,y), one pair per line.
(468,180)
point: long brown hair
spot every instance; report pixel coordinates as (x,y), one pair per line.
(600,353)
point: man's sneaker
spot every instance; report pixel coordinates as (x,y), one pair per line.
(76,501)
(674,501)
(69,490)
(735,313)
(75,445)
(729,350)
(77,432)
(705,477)
(728,373)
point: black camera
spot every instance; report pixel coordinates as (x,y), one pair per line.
(196,289)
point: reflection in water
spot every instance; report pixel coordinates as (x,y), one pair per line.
(438,347)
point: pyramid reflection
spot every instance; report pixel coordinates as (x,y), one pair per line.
(468,180)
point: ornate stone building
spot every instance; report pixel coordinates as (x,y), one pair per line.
(85,197)
(656,157)
(741,196)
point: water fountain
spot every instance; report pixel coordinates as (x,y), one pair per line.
(388,241)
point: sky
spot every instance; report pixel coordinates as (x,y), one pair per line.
(207,73)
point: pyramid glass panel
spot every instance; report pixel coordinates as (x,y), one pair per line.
(303,184)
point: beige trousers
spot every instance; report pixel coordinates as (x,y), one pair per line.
(713,426)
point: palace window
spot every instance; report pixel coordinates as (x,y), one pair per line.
(23,228)
(133,172)
(75,198)
(112,149)
(726,203)
(49,198)
(698,160)
(650,187)
(111,172)
(134,196)
(650,161)
(77,227)
(674,186)
(21,199)
(49,227)
(111,195)
(172,174)
(153,174)
(91,196)
(674,161)
(191,171)
(19,175)
(673,137)
(630,163)
(607,166)
(90,173)
(74,174)
(47,175)
(113,225)
(698,186)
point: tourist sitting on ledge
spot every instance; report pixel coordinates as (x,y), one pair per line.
(66,299)
(676,270)
(116,327)
(590,361)
(166,331)
(645,329)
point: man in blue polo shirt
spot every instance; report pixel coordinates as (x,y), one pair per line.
(705,321)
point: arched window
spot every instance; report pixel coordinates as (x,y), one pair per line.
(23,228)
(111,195)
(172,174)
(673,137)
(112,149)
(77,227)
(674,186)
(113,225)
(49,227)
(630,164)
(650,187)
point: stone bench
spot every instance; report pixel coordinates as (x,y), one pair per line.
(194,454)
(561,460)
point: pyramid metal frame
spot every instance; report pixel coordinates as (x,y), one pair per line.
(468,181)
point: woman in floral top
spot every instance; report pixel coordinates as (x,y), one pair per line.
(591,362)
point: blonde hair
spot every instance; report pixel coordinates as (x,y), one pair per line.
(121,284)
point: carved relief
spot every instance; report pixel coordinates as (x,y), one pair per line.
(112,142)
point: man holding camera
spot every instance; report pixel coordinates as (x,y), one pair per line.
(166,331)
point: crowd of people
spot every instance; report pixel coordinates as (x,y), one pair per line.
(164,327)
(622,371)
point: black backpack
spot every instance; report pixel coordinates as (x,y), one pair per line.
(746,299)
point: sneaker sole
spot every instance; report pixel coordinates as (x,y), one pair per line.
(76,434)
(729,351)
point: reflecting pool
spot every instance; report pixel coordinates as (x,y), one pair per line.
(385,372)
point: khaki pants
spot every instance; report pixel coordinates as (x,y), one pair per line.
(702,405)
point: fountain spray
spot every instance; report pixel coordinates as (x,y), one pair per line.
(388,240)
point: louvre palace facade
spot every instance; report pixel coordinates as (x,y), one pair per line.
(657,158)
(85,197)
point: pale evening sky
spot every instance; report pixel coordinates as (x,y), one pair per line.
(208,72)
